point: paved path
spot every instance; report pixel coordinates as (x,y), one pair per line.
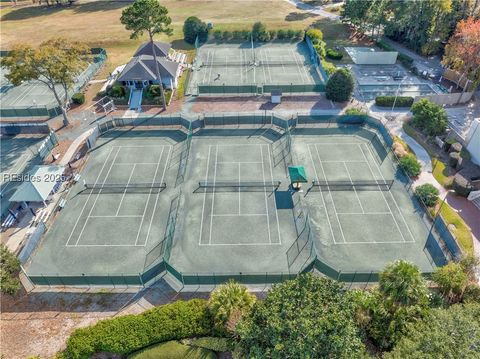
(317,10)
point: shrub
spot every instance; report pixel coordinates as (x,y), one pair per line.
(461,185)
(273,34)
(9,268)
(281,34)
(78,98)
(228,304)
(173,350)
(316,35)
(259,32)
(384,46)
(237,35)
(429,118)
(154,91)
(227,35)
(405,60)
(452,281)
(217,34)
(307,317)
(299,35)
(126,334)
(340,85)
(334,55)
(410,165)
(428,194)
(388,101)
(212,343)
(328,67)
(117,91)
(290,34)
(355,112)
(320,49)
(246,34)
(193,27)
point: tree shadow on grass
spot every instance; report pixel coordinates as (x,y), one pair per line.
(299,16)
(33,11)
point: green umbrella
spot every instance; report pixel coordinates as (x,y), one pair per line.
(297,175)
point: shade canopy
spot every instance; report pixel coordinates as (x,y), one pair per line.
(37,184)
(297,174)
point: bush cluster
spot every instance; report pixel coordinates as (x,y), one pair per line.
(388,101)
(260,33)
(334,54)
(78,98)
(428,194)
(410,165)
(194,27)
(340,85)
(116,91)
(10,266)
(328,67)
(124,335)
(429,118)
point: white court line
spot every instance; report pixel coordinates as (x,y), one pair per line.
(265,194)
(241,244)
(107,245)
(380,242)
(149,195)
(274,199)
(239,194)
(125,191)
(239,144)
(137,146)
(321,194)
(239,162)
(85,204)
(394,201)
(383,195)
(333,201)
(96,198)
(135,163)
(354,213)
(354,189)
(158,193)
(241,215)
(213,194)
(118,216)
(335,143)
(205,195)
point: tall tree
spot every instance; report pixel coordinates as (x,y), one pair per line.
(150,17)
(463,49)
(55,62)
(445,333)
(307,317)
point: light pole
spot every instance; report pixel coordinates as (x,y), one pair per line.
(396,93)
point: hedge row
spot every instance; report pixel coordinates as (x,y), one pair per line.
(126,334)
(334,55)
(270,35)
(387,101)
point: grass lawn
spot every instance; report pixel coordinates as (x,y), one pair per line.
(460,231)
(98,22)
(440,172)
(173,350)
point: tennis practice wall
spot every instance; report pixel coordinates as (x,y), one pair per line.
(440,246)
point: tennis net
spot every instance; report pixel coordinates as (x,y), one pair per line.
(253,63)
(365,185)
(236,186)
(124,187)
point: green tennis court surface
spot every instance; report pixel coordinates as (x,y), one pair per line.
(265,64)
(366,227)
(110,232)
(18,154)
(232,208)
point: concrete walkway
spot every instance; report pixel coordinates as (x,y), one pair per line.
(74,146)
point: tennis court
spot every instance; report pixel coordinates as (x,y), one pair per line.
(363,216)
(118,211)
(260,64)
(18,154)
(238,216)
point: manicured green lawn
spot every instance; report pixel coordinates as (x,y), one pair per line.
(173,350)
(461,231)
(440,172)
